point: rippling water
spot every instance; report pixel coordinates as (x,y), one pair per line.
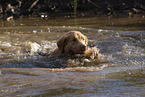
(119,70)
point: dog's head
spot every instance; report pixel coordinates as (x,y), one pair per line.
(73,42)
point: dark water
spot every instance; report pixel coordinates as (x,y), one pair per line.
(119,70)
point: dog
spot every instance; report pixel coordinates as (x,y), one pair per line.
(76,44)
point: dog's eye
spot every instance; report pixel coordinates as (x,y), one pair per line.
(74,40)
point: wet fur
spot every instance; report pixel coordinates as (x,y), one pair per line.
(75,43)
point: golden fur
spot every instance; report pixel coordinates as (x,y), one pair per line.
(75,43)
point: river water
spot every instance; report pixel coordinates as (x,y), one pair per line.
(119,70)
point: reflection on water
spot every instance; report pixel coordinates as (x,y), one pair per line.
(119,70)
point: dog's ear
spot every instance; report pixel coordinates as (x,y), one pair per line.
(61,43)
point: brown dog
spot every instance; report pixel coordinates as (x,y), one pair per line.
(75,43)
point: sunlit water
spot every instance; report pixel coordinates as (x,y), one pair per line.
(119,70)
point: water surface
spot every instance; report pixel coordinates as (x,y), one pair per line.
(119,71)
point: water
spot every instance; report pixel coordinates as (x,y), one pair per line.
(119,70)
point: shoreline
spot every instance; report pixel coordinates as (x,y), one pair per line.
(70,8)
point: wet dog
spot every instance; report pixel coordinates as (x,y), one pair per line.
(74,43)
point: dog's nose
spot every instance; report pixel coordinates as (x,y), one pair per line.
(84,47)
